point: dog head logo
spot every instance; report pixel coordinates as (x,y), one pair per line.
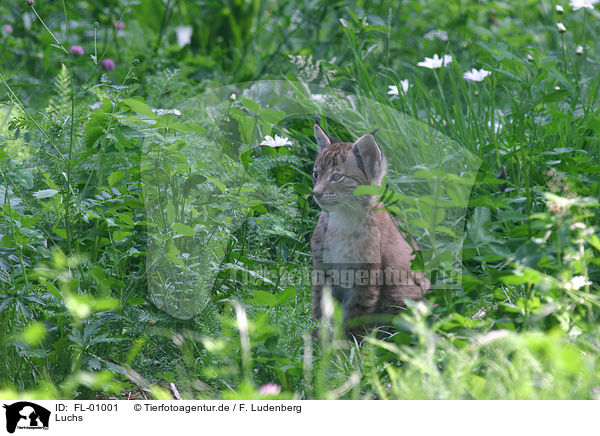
(26,415)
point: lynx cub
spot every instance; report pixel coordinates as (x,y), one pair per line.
(357,249)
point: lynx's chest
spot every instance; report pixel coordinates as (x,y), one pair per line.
(348,239)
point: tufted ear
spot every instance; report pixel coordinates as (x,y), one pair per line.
(372,158)
(322,139)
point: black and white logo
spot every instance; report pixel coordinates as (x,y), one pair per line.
(26,415)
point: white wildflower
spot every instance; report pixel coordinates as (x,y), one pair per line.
(278,141)
(160,112)
(319,98)
(435,62)
(436,34)
(579,50)
(184,35)
(296,17)
(576,283)
(476,75)
(579,4)
(404,85)
(559,9)
(561,27)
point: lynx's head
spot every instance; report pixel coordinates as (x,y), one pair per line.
(341,167)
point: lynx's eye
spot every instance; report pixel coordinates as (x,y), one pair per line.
(336,177)
(315,175)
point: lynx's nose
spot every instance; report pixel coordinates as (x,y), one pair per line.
(323,195)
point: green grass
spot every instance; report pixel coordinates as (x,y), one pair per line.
(113,215)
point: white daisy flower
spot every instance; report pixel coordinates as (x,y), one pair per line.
(319,98)
(435,62)
(278,141)
(576,283)
(404,84)
(476,75)
(559,9)
(393,90)
(579,4)
(160,112)
(184,35)
(561,27)
(579,50)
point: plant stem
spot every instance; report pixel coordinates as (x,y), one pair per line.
(163,25)
(49,31)
(12,227)
(71,136)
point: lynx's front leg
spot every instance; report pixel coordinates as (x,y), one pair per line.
(317,295)
(318,278)
(363,303)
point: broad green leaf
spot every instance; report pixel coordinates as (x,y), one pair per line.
(594,124)
(98,121)
(187,127)
(104,303)
(478,225)
(120,234)
(252,105)
(115,177)
(139,106)
(45,193)
(557,95)
(271,116)
(172,254)
(218,184)
(52,289)
(265,298)
(135,301)
(238,114)
(369,190)
(183,229)
(60,232)
(286,295)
